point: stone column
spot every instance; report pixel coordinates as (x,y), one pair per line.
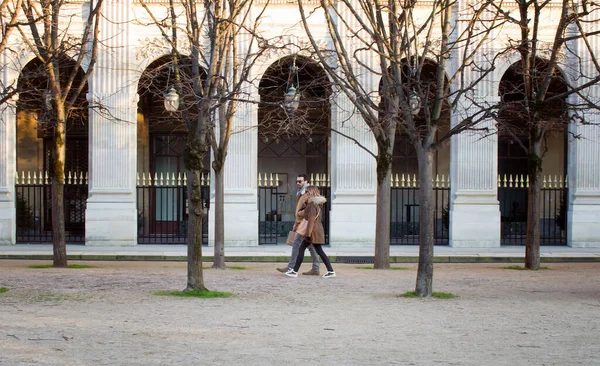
(474,209)
(111,216)
(583,213)
(353,178)
(241,210)
(7,171)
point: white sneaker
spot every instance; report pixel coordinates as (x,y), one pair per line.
(329,274)
(292,273)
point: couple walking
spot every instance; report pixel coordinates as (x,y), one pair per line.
(309,203)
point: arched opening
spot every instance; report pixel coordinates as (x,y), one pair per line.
(514,123)
(293,138)
(34,137)
(162,139)
(404,216)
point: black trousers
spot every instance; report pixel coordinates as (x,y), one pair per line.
(318,249)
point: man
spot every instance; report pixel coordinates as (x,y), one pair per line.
(301,184)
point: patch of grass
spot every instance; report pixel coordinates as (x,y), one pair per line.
(439,295)
(520,268)
(195,293)
(3,290)
(241,268)
(392,268)
(73,266)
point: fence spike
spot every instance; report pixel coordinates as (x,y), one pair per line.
(144,179)
(544,182)
(415,181)
(329,180)
(560,182)
(16,177)
(28,177)
(259,180)
(312,179)
(178,179)
(271,180)
(46,178)
(566,181)
(555,181)
(436,182)
(35,180)
(444,181)
(185,179)
(527,181)
(277,179)
(137,178)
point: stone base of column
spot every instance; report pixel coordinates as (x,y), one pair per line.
(475,222)
(352,220)
(583,217)
(7,218)
(111,219)
(241,220)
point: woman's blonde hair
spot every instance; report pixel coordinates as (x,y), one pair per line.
(313,191)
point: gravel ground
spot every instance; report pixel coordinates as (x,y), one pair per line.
(108,315)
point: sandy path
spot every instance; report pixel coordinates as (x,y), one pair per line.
(108,315)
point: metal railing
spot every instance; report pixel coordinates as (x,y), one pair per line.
(404,214)
(276,208)
(163,208)
(34,207)
(513,195)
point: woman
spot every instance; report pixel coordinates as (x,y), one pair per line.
(315,234)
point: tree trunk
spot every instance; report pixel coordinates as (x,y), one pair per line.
(219,258)
(58,189)
(196,213)
(382,223)
(532,242)
(424,286)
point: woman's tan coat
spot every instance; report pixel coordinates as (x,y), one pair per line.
(315,226)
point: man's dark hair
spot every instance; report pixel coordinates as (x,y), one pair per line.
(304,177)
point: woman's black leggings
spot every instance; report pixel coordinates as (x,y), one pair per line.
(318,249)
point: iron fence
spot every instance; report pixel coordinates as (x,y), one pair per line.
(33,204)
(404,213)
(276,209)
(513,195)
(163,209)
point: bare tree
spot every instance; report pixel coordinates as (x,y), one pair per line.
(10,12)
(536,99)
(223,47)
(424,56)
(47,31)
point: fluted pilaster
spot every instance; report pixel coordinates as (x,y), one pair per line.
(7,171)
(474,213)
(584,150)
(111,217)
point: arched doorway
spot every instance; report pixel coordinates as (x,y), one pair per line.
(513,151)
(34,136)
(404,215)
(162,138)
(293,138)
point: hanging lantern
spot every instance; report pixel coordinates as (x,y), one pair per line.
(48,99)
(415,102)
(291,99)
(171,100)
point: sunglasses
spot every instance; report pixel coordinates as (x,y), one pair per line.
(299,181)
